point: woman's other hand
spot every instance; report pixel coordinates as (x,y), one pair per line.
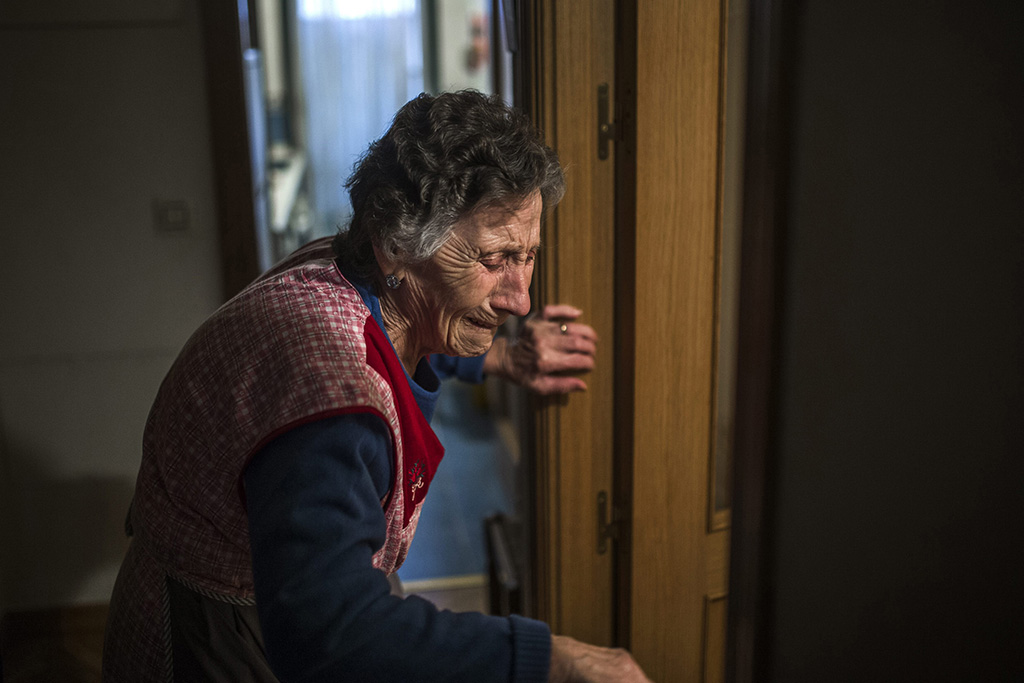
(549,346)
(576,662)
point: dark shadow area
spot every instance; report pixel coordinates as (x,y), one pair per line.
(58,533)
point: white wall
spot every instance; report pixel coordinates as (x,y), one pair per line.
(103,111)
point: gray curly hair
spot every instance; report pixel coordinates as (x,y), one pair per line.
(443,158)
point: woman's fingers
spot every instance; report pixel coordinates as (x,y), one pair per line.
(559,315)
(575,662)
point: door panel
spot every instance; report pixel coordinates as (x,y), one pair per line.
(570,55)
(679,552)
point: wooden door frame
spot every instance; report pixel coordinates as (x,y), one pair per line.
(567,51)
(227,30)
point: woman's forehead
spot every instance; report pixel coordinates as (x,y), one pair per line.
(517,224)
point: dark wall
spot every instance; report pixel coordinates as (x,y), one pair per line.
(900,472)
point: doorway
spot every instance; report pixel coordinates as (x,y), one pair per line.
(330,74)
(614,486)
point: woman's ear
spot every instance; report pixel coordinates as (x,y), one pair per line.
(388,265)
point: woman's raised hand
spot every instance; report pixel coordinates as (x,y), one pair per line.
(547,352)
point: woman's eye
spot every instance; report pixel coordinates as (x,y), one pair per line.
(498,261)
(493,263)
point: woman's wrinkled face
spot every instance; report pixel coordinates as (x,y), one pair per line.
(480,277)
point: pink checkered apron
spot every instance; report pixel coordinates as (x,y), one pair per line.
(295,346)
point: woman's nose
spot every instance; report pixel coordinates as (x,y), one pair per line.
(514,293)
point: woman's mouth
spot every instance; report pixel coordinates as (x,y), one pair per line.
(489,327)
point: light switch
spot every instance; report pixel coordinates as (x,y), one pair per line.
(171,215)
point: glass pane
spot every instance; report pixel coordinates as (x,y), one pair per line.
(359,62)
(356,63)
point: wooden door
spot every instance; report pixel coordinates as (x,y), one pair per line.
(679,544)
(638,243)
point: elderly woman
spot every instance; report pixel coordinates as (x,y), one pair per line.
(289,449)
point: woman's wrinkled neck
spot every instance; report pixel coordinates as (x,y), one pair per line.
(399,328)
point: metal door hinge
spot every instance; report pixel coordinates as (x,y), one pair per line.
(606,529)
(607,131)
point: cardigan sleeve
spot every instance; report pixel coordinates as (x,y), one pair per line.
(315,518)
